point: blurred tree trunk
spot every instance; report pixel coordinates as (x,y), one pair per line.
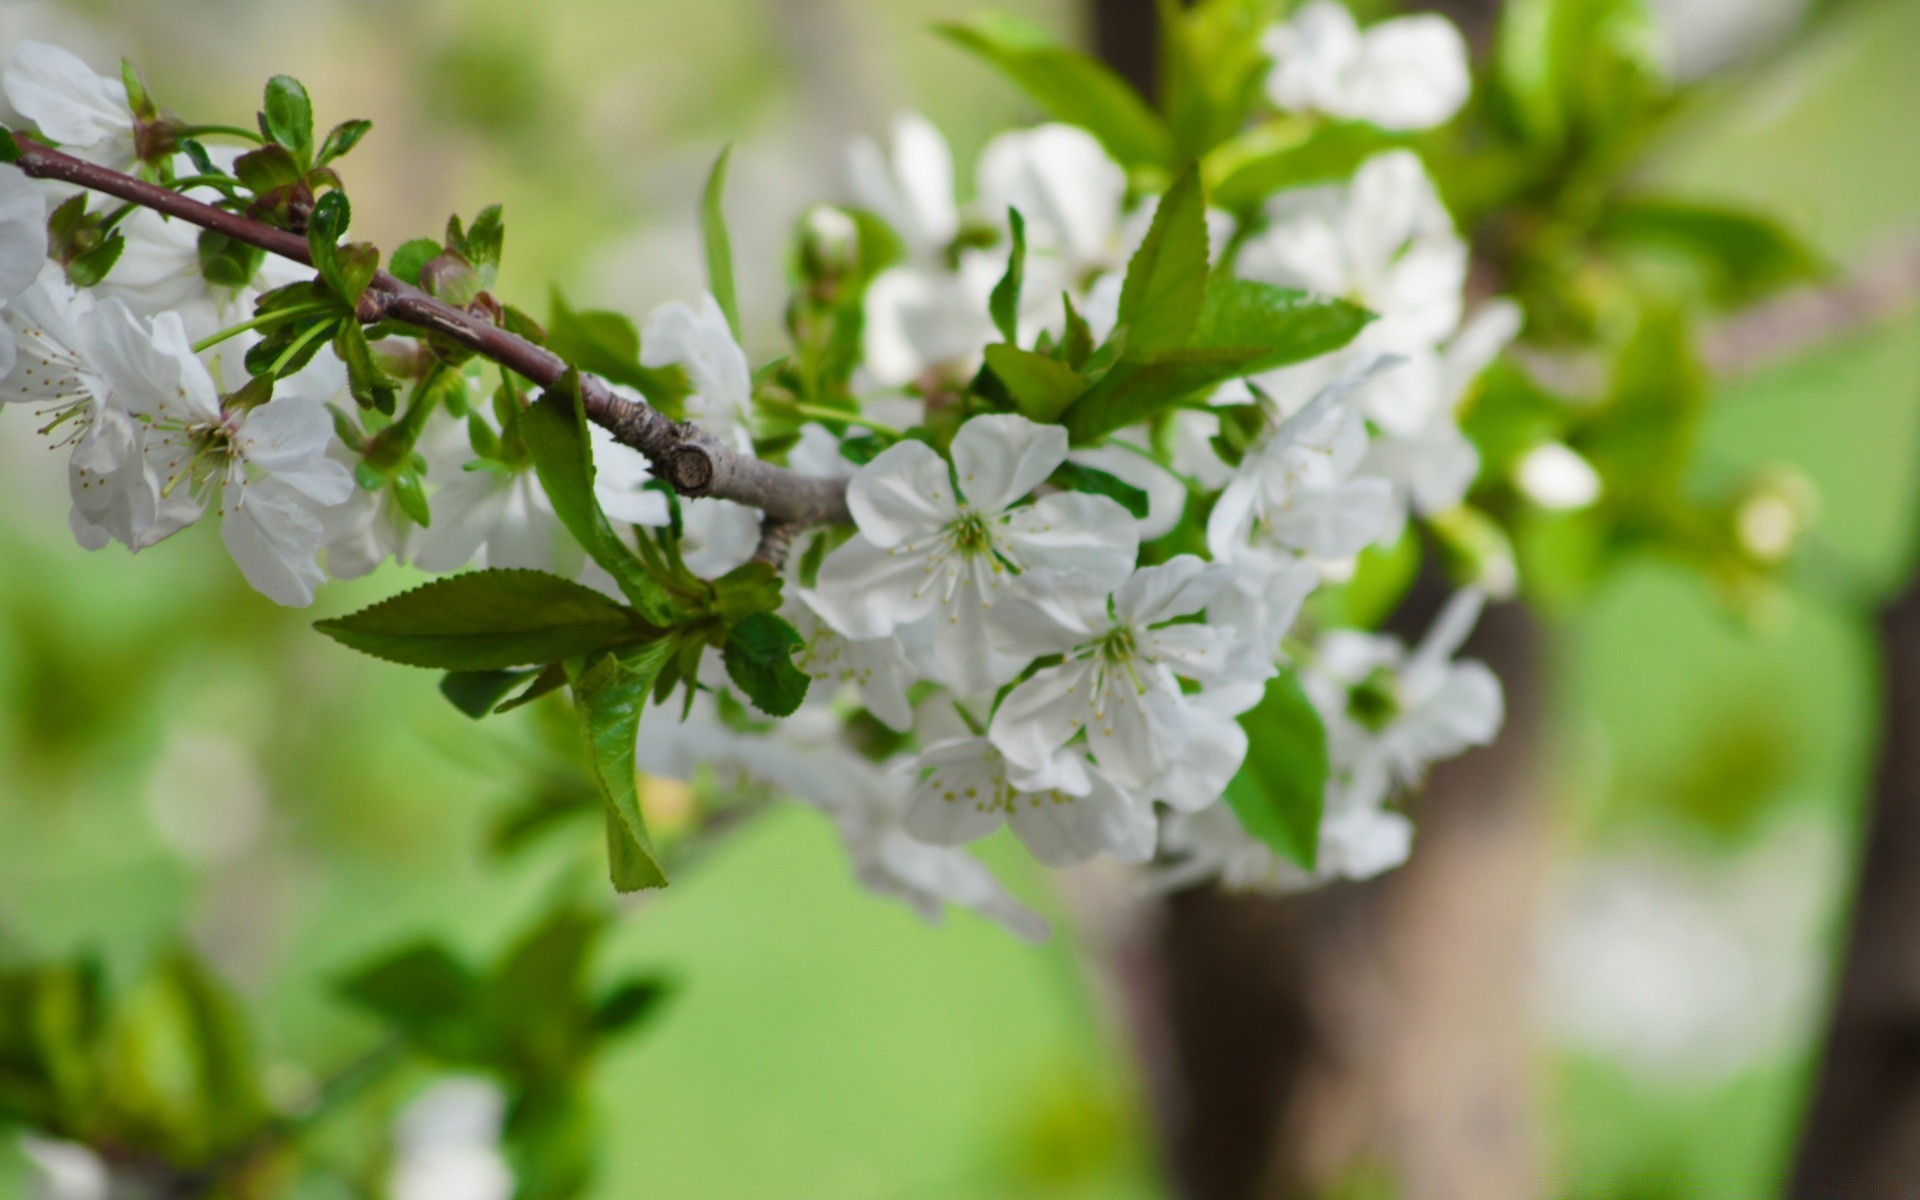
(1863,1129)
(1369,1028)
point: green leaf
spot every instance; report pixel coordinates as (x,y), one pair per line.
(411,256)
(1264,326)
(1041,388)
(1077,478)
(1071,86)
(1004,303)
(227,263)
(426,994)
(476,693)
(288,116)
(268,169)
(1167,279)
(554,430)
(9,146)
(342,139)
(87,269)
(1744,255)
(486,621)
(1243,327)
(631,1004)
(713,228)
(347,269)
(1212,69)
(612,694)
(759,658)
(1281,789)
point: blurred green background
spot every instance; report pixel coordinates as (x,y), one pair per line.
(178,753)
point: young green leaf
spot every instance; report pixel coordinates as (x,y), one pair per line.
(554,429)
(612,693)
(1280,791)
(486,621)
(369,385)
(1742,255)
(1041,388)
(1073,87)
(341,140)
(288,116)
(411,256)
(713,227)
(1004,303)
(759,658)
(1167,278)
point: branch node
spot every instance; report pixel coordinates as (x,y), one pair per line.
(690,470)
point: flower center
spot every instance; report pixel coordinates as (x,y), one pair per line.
(1374,702)
(969,535)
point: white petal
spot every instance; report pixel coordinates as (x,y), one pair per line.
(1073,532)
(1183,584)
(274,540)
(1412,73)
(1001,457)
(1040,715)
(867,591)
(23,235)
(959,801)
(465,511)
(905,492)
(67,100)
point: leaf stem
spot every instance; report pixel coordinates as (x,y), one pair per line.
(260,322)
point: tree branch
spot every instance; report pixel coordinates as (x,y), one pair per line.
(694,461)
(1800,320)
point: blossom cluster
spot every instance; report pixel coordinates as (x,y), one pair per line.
(1062,635)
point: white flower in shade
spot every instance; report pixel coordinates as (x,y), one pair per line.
(1071,196)
(876,668)
(1212,844)
(65,1170)
(869,807)
(929,549)
(1431,465)
(23,242)
(159,270)
(1262,600)
(87,114)
(1125,656)
(1384,241)
(1390,714)
(1406,73)
(700,341)
(51,371)
(921,320)
(964,794)
(447,1144)
(912,193)
(500,516)
(1216,746)
(1295,489)
(1127,459)
(266,467)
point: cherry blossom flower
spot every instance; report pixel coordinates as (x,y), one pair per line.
(965,794)
(876,668)
(1120,681)
(266,467)
(1390,713)
(1406,73)
(946,543)
(912,193)
(1384,240)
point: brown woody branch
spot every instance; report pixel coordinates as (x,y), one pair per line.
(694,461)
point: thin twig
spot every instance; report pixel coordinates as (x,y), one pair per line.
(694,461)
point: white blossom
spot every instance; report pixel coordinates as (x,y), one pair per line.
(499,515)
(1390,713)
(912,193)
(1384,240)
(267,467)
(877,668)
(700,341)
(1553,475)
(1406,73)
(87,114)
(946,542)
(964,794)
(1296,489)
(1120,681)
(447,1144)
